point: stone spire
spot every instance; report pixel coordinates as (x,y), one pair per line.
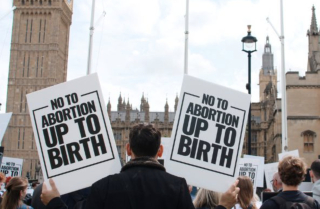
(123,106)
(143,101)
(109,109)
(267,59)
(313,27)
(176,103)
(119,102)
(313,39)
(128,109)
(166,112)
(146,110)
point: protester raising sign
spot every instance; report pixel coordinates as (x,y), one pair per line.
(207,134)
(260,174)
(73,133)
(249,167)
(11,166)
(269,170)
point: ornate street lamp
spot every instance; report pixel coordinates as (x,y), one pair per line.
(249,46)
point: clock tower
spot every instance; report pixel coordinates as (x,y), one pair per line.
(38,59)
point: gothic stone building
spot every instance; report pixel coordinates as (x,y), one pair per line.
(39,54)
(38,59)
(303,106)
(125,117)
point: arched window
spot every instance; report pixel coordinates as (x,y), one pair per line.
(308,140)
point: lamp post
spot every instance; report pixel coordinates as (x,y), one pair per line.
(249,46)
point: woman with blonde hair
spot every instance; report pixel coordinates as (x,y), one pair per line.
(245,196)
(206,199)
(16,190)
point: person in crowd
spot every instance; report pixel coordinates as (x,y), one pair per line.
(315,177)
(276,183)
(206,199)
(2,180)
(16,191)
(192,191)
(256,200)
(36,201)
(245,196)
(28,199)
(142,183)
(291,171)
(34,185)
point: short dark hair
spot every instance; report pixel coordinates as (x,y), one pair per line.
(34,184)
(315,167)
(144,140)
(292,170)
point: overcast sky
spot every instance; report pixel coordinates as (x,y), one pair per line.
(139,45)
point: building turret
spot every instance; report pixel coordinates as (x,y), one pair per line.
(109,109)
(146,110)
(176,103)
(313,38)
(143,101)
(128,109)
(119,102)
(267,73)
(123,106)
(166,112)
(267,59)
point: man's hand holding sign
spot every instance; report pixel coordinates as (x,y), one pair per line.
(73,134)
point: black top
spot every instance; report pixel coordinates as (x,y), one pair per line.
(140,184)
(292,196)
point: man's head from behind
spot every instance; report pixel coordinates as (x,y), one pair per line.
(315,171)
(276,182)
(292,170)
(144,141)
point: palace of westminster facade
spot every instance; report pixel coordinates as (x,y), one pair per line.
(39,55)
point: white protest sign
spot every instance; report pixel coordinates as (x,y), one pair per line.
(249,167)
(305,186)
(269,170)
(208,134)
(294,153)
(73,133)
(4,121)
(260,176)
(11,166)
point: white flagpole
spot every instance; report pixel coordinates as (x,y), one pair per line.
(283,86)
(186,40)
(91,38)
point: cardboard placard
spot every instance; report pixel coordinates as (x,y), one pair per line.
(270,169)
(260,169)
(249,167)
(289,153)
(4,121)
(73,133)
(11,166)
(208,134)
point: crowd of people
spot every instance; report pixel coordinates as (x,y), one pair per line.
(144,183)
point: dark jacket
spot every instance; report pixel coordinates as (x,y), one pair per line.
(142,183)
(292,196)
(36,200)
